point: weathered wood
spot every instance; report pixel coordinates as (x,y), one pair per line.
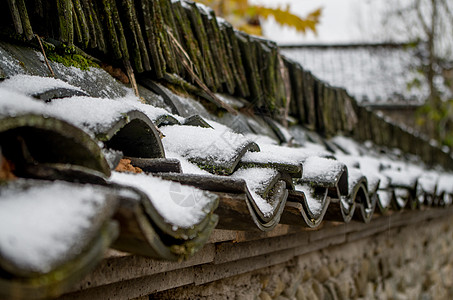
(296,76)
(249,54)
(221,64)
(209,72)
(138,54)
(265,63)
(187,63)
(234,212)
(188,41)
(135,266)
(152,23)
(82,25)
(95,26)
(230,251)
(319,105)
(119,30)
(65,20)
(15,15)
(309,100)
(26,25)
(234,58)
(77,28)
(171,59)
(114,41)
(157,165)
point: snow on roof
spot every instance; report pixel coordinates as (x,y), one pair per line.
(31,85)
(180,205)
(209,144)
(42,225)
(186,166)
(92,113)
(374,74)
(281,154)
(319,169)
(315,204)
(257,179)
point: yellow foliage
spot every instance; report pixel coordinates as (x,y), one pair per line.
(246,17)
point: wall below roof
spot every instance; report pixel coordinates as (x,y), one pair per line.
(404,256)
(414,262)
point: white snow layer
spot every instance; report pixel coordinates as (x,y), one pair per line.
(93,114)
(318,169)
(257,179)
(194,142)
(31,85)
(179,205)
(280,154)
(40,225)
(315,205)
(186,166)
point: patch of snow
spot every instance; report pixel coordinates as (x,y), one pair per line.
(179,205)
(315,205)
(280,154)
(402,195)
(318,169)
(445,183)
(222,21)
(369,74)
(348,144)
(194,142)
(13,103)
(384,198)
(257,179)
(204,9)
(40,225)
(354,177)
(261,139)
(346,202)
(94,114)
(187,166)
(401,178)
(427,182)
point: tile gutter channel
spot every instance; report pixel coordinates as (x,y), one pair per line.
(230,253)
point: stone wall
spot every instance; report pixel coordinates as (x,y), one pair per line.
(413,262)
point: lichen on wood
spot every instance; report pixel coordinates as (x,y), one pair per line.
(152,41)
(168,18)
(209,72)
(188,40)
(15,15)
(82,25)
(218,52)
(134,44)
(66,25)
(114,41)
(249,58)
(234,59)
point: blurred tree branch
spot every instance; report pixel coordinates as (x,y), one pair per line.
(247,17)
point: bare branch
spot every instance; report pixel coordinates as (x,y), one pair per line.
(420,16)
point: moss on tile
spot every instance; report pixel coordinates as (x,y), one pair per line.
(72,60)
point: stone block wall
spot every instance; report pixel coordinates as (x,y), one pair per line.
(413,262)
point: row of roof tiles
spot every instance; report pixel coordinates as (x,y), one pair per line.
(184,43)
(65,199)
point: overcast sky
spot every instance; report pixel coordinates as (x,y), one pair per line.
(342,21)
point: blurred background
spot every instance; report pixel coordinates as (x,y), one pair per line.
(393,56)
